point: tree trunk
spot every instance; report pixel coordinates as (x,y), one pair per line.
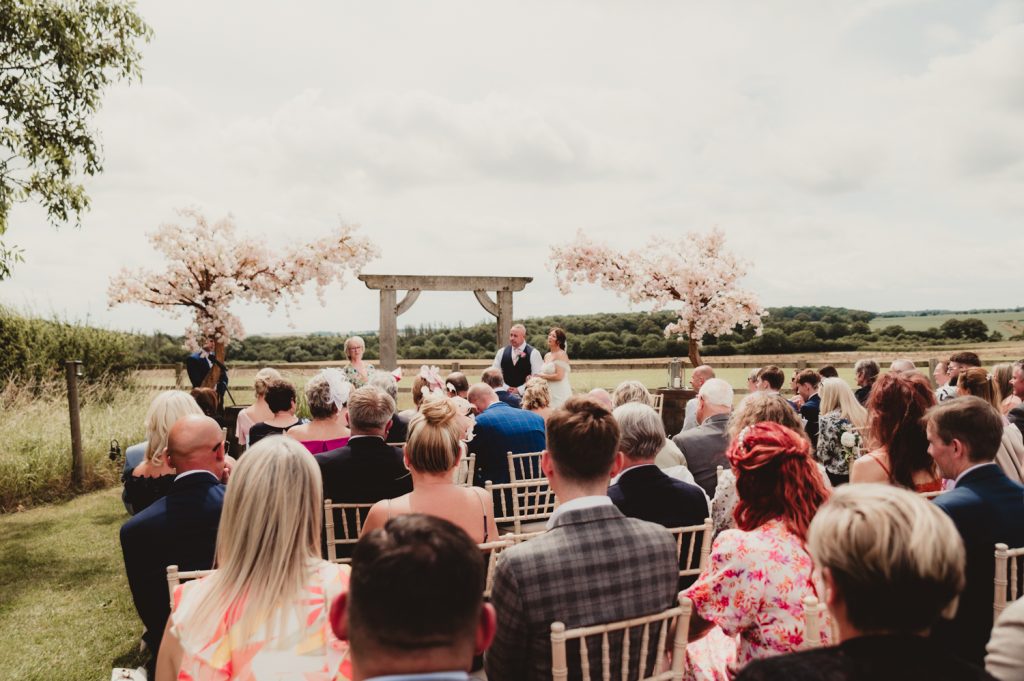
(694,354)
(214,374)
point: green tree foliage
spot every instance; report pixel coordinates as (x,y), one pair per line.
(56,59)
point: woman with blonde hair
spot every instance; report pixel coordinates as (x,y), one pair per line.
(147,475)
(1010,457)
(357,372)
(258,411)
(536,397)
(1002,374)
(327,397)
(263,612)
(433,447)
(840,413)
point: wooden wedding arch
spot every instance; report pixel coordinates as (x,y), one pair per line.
(390,284)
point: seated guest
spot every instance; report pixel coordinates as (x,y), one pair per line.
(366,469)
(770,379)
(892,565)
(828,371)
(669,458)
(568,573)
(536,397)
(435,445)
(642,490)
(755,408)
(327,395)
(958,362)
(703,447)
(424,383)
(753,380)
(940,374)
(492,377)
(500,429)
(281,401)
(1004,658)
(258,411)
(148,475)
(897,404)
(810,402)
(391,616)
(751,592)
(263,613)
(902,365)
(386,382)
(602,397)
(1002,375)
(206,398)
(840,413)
(177,529)
(865,372)
(697,378)
(456,385)
(964,435)
(1010,457)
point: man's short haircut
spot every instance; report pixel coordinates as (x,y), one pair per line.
(518,326)
(773,376)
(370,408)
(828,371)
(631,391)
(716,392)
(808,377)
(280,394)
(458,382)
(582,438)
(965,358)
(386,382)
(493,377)
(903,364)
(641,431)
(868,367)
(897,560)
(973,421)
(416,584)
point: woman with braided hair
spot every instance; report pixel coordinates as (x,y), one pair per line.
(748,601)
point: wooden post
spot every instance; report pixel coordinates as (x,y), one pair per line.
(932,362)
(388,329)
(179,375)
(71,368)
(504,317)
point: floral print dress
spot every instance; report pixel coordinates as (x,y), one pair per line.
(305,650)
(753,589)
(830,451)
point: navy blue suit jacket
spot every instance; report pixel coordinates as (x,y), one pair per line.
(987,508)
(500,429)
(646,493)
(812,411)
(178,529)
(508,398)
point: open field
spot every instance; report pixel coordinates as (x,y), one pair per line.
(1007,323)
(65,608)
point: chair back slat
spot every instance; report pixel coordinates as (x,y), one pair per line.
(524,466)
(492,549)
(813,611)
(658,403)
(521,537)
(464,471)
(1007,577)
(675,619)
(176,577)
(697,541)
(352,518)
(531,501)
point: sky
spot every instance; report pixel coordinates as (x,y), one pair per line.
(860,154)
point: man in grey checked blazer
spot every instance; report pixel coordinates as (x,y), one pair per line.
(594,565)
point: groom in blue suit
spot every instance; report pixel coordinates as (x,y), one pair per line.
(987,507)
(500,429)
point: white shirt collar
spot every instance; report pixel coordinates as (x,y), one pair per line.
(975,466)
(179,476)
(578,504)
(615,480)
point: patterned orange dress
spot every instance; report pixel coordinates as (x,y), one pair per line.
(305,649)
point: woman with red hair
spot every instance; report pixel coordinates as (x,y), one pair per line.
(895,408)
(748,602)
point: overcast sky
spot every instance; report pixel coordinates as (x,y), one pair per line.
(864,154)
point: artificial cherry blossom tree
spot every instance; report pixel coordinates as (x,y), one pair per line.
(210,267)
(695,276)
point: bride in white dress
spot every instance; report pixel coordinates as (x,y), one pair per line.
(556,368)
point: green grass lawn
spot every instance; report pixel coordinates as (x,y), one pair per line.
(65,608)
(1007,323)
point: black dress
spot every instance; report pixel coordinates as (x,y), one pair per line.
(142,491)
(262,430)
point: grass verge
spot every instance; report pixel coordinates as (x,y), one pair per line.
(65,608)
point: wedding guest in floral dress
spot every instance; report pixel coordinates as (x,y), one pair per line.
(840,413)
(263,614)
(357,372)
(748,602)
